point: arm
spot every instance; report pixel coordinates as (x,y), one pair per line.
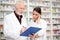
(24,26)
(41,32)
(8,29)
(22,30)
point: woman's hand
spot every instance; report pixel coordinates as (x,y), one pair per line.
(36,36)
(33,36)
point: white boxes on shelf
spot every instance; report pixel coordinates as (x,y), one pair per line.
(1,14)
(1,21)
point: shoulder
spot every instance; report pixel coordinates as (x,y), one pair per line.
(8,16)
(43,21)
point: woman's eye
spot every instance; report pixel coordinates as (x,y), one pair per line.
(36,14)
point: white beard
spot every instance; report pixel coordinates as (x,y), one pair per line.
(19,13)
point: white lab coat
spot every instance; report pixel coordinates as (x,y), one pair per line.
(12,27)
(42,24)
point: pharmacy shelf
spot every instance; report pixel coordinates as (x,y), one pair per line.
(56,10)
(56,13)
(55,1)
(7,3)
(56,17)
(56,35)
(42,11)
(11,4)
(9,10)
(45,0)
(55,6)
(46,6)
(33,5)
(56,23)
(1,23)
(6,10)
(46,17)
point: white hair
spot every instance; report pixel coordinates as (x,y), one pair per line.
(19,1)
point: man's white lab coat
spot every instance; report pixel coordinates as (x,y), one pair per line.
(12,27)
(41,24)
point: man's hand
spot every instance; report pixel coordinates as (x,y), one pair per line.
(22,30)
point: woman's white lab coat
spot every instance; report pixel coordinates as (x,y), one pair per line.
(41,24)
(12,27)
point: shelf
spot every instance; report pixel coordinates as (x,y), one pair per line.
(56,34)
(55,6)
(38,4)
(45,17)
(7,3)
(46,12)
(47,6)
(55,1)
(10,3)
(1,21)
(56,29)
(1,28)
(48,35)
(6,10)
(56,17)
(32,4)
(1,31)
(42,11)
(45,0)
(1,16)
(55,23)
(56,13)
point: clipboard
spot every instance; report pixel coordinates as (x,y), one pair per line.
(30,30)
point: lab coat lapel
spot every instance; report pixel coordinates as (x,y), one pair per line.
(15,19)
(16,22)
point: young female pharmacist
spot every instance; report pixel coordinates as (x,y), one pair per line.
(40,23)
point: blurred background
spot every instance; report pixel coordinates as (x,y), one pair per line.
(50,13)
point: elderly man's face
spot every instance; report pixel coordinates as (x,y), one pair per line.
(20,7)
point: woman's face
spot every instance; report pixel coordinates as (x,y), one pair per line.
(36,15)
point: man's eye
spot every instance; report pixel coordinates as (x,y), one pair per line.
(33,14)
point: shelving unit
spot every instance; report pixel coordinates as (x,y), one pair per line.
(56,19)
(50,13)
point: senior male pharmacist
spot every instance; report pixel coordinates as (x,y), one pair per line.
(14,22)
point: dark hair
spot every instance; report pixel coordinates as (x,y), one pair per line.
(37,9)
